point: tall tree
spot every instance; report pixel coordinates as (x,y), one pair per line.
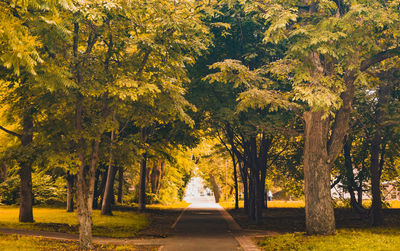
(327,57)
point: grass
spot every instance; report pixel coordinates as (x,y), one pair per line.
(121,224)
(271,204)
(177,205)
(18,242)
(345,239)
(300,204)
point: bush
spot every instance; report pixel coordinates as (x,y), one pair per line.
(49,191)
(46,190)
(9,191)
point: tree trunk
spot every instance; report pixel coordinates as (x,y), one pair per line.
(26,196)
(106,206)
(162,170)
(262,187)
(25,173)
(85,193)
(259,199)
(377,149)
(142,183)
(351,184)
(96,190)
(85,182)
(215,188)
(155,176)
(320,217)
(84,208)
(3,172)
(236,182)
(376,207)
(120,184)
(252,209)
(102,188)
(70,192)
(244,175)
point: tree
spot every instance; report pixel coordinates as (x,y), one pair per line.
(21,54)
(327,57)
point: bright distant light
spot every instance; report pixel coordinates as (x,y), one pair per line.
(196,192)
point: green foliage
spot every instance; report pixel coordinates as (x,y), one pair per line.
(46,190)
(9,191)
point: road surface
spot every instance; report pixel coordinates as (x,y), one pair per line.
(202,228)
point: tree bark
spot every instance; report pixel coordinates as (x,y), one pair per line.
(376,207)
(70,192)
(355,203)
(106,207)
(155,176)
(245,182)
(85,192)
(215,188)
(26,196)
(252,203)
(320,217)
(236,181)
(102,187)
(377,151)
(85,181)
(96,190)
(142,183)
(120,184)
(3,172)
(25,173)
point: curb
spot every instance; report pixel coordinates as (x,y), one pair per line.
(245,242)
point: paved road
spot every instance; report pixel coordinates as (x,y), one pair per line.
(202,228)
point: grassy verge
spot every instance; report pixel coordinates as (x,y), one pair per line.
(121,224)
(271,204)
(300,204)
(174,206)
(26,243)
(345,239)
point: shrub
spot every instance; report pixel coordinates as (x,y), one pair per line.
(46,190)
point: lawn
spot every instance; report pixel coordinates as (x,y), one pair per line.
(354,232)
(173,206)
(300,204)
(345,239)
(271,204)
(26,243)
(121,224)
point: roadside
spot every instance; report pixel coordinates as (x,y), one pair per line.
(127,229)
(284,229)
(12,242)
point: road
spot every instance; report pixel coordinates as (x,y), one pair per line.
(202,228)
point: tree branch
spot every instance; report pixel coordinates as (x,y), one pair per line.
(10,132)
(342,120)
(379,58)
(144,61)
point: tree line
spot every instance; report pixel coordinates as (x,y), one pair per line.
(303,90)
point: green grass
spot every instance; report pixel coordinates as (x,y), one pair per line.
(121,224)
(177,205)
(27,243)
(271,204)
(345,239)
